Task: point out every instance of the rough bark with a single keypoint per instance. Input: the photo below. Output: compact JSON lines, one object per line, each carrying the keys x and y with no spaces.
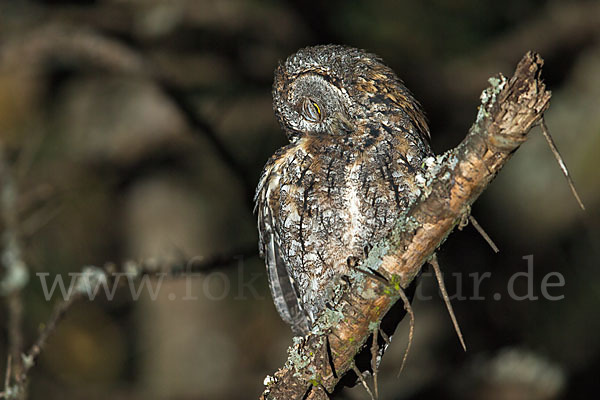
{"x":509,"y":109}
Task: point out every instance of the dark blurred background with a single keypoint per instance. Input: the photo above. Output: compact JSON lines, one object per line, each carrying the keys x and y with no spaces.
{"x":137,"y":129}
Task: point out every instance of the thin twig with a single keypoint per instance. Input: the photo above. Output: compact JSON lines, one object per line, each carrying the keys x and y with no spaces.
{"x":362,"y":380}
{"x":60,"y":310}
{"x":438,"y":274}
{"x":39,"y":219}
{"x":411,"y":329}
{"x":409,"y":311}
{"x":7,"y":376}
{"x":385,"y":337}
{"x":137,"y":271}
{"x":374,"y":366}
{"x":483,"y":234}
{"x":203,"y":127}
{"x":16,"y":272}
{"x":560,"y":161}
{"x":15,"y":324}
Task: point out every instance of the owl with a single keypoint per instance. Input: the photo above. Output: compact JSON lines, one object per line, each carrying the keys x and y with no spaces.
{"x":357,"y":140}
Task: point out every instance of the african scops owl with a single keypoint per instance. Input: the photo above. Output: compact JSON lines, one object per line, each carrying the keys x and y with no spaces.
{"x":358,"y":138}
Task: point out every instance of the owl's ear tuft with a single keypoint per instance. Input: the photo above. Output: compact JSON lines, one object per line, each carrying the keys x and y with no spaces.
{"x":279,"y":82}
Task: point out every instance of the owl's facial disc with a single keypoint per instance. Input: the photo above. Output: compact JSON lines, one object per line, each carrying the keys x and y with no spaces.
{"x":313,"y":105}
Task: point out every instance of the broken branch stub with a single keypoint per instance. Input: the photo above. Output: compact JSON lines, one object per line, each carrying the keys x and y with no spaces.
{"x":453,"y":181}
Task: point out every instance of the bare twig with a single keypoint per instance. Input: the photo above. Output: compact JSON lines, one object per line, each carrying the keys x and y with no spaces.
{"x":15,"y":270}
{"x":362,"y":380}
{"x":110,"y":272}
{"x":385,"y":337}
{"x":39,"y":219}
{"x":411,"y":330}
{"x":7,"y":377}
{"x":560,"y":162}
{"x":31,"y":356}
{"x":440,"y":278}
{"x":374,"y":366}
{"x":483,"y":234}
{"x":8,"y":371}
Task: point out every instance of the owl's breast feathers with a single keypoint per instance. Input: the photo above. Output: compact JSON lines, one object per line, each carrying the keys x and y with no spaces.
{"x":320,"y":202}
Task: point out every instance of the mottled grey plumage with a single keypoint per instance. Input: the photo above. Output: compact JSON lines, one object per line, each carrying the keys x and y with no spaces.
{"x":357,"y":140}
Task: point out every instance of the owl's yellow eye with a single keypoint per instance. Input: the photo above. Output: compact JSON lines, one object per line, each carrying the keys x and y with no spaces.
{"x":311,"y":111}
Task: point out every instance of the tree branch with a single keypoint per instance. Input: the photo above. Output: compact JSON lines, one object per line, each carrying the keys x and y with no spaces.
{"x":85,"y":46}
{"x":92,"y":277}
{"x":15,"y":272}
{"x":452,"y":183}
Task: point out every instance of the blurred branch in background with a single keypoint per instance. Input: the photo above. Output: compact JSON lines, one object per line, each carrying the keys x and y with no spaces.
{"x":15,"y":276}
{"x":558,"y":31}
{"x":88,"y":283}
{"x":57,"y":43}
{"x":84,"y":48}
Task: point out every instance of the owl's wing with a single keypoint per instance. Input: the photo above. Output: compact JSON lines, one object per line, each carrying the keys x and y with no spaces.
{"x":405,"y":102}
{"x":282,"y":285}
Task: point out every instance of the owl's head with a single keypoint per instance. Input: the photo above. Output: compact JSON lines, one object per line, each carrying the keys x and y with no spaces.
{"x":336,"y":90}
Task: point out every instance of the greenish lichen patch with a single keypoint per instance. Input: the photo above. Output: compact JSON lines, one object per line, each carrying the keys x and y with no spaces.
{"x":315,"y":382}
{"x":406,"y":223}
{"x":396,"y":282}
{"x":394,"y":286}
{"x":373,"y":326}
{"x":298,"y":360}
{"x":368,"y":294}
{"x":376,"y":254}
{"x":497,"y":83}
{"x":328,"y":319}
{"x":488,"y":97}
{"x":314,"y":378}
{"x":434,"y":169}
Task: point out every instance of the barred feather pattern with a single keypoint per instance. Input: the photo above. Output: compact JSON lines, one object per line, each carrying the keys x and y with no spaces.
{"x":340,"y":184}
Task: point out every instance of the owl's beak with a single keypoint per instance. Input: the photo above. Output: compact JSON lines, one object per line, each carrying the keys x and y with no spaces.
{"x":341,"y":124}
